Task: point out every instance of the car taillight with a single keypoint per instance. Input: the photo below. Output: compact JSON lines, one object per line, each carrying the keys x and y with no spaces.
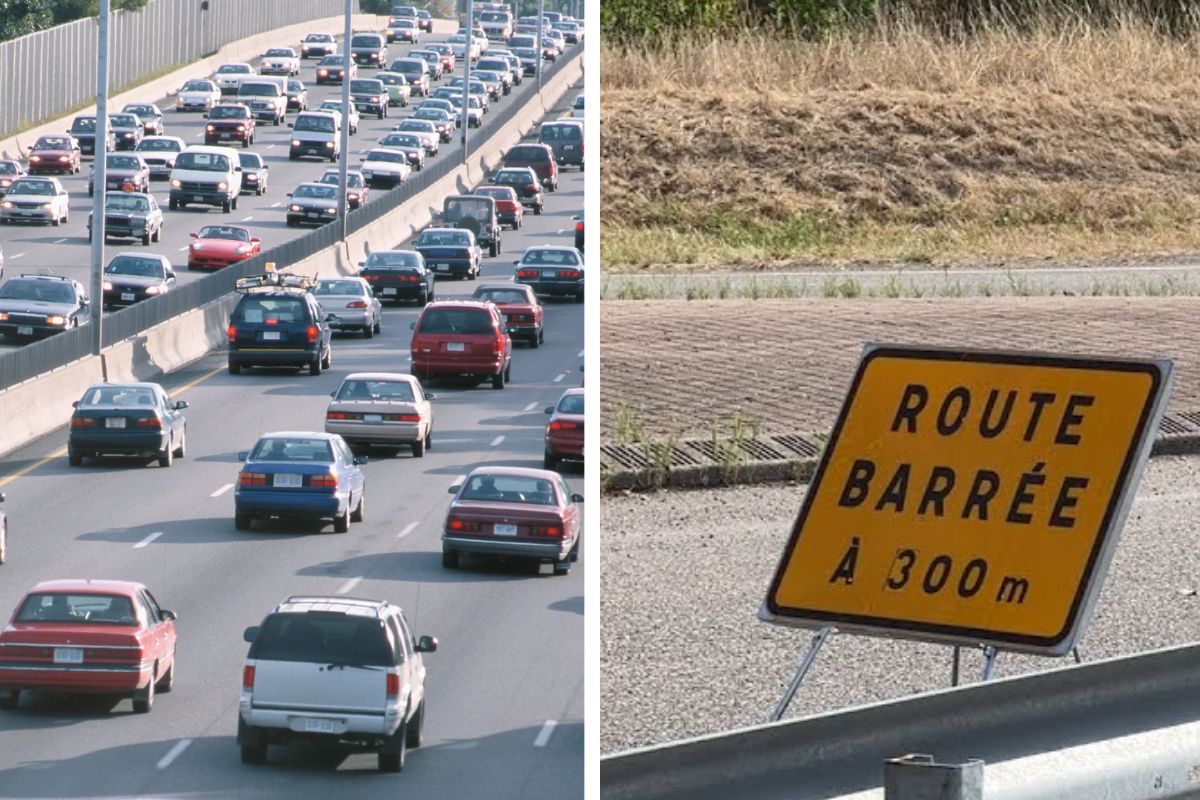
{"x":342,"y":415}
{"x":531,"y":187}
{"x":357,"y":304}
{"x":402,"y":417}
{"x":561,"y":425}
{"x":547,"y":530}
{"x":579,"y":227}
{"x":527,"y":273}
{"x":456,"y":524}
{"x":572,"y":274}
{"x":252,"y":479}
{"x":232,"y":331}
{"x":370,"y":278}
{"x":248,"y":677}
{"x":393,"y":685}
{"x":83,"y":422}
{"x":149,"y":422}
{"x":313,"y":333}
{"x":498,"y":345}
{"x":323,"y":481}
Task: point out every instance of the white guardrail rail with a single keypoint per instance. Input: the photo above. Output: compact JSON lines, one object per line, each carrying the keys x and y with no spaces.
{"x":1120,"y":729}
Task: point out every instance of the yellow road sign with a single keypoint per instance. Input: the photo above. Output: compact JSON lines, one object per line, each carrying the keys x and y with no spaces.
{"x":970,"y":497}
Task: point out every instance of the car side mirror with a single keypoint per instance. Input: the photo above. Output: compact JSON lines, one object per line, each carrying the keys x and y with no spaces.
{"x":289,"y":194}
{"x":576,"y":498}
{"x":237,"y":169}
{"x":180,"y":405}
{"x":427,"y":644}
{"x":168,"y":616}
{"x":204,"y":115}
{"x":431,"y":396}
{"x":361,"y":459}
{"x":289,"y":124}
{"x":454,"y":489}
{"x":412,"y":326}
{"x":242,"y":456}
{"x":549,"y":410}
{"x":516,"y":263}
{"x":250,"y":634}
{"x":331,"y":317}
{"x":333,"y":394}
{"x":75,"y":404}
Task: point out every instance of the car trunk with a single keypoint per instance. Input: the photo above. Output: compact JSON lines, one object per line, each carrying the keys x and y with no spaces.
{"x":320,"y":687}
{"x":285,"y":476}
{"x":523,"y":518}
{"x":115,"y":419}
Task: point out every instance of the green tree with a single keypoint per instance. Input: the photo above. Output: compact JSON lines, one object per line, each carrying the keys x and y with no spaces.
{"x":19,"y":17}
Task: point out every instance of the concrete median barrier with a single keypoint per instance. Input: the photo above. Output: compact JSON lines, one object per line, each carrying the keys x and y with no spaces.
{"x":35,"y":408}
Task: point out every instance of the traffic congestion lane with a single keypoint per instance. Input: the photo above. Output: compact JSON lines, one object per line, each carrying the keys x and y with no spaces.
{"x":512,"y":647}
{"x":65,"y":250}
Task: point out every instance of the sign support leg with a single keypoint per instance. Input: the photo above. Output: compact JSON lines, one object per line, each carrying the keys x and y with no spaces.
{"x":1075,"y":653}
{"x":806,"y":662}
{"x":954,"y":665}
{"x":989,"y":662}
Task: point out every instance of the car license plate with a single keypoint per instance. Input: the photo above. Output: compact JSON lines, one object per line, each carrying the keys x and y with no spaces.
{"x":389,"y":291}
{"x":372,"y":418}
{"x":290,"y":480}
{"x":455,"y":347}
{"x":68,"y":655}
{"x":318,"y":725}
{"x":114,"y":422}
{"x":442,"y":267}
{"x":270,"y":336}
{"x":504,"y":530}
{"x":312,"y":214}
{"x":568,"y":147}
{"x":197,"y":198}
{"x":127,"y":297}
{"x":24,"y":330}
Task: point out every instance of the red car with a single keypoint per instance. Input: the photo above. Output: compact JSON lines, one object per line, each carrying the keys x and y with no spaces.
{"x":521,"y":308}
{"x":509,"y":210}
{"x":54,"y":154}
{"x":219,"y":246}
{"x":462,"y":337}
{"x":513,"y":511}
{"x":564,"y":431}
{"x":88,"y":637}
{"x":230,"y":121}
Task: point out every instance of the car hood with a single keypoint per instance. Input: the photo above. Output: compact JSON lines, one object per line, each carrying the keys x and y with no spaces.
{"x":384,"y":166}
{"x":13,"y":305}
{"x":440,"y":251}
{"x":28,"y":198}
{"x":138,"y":281}
{"x":375,"y":406}
{"x":194,"y":94}
{"x":226,"y":123}
{"x":314,"y":202}
{"x":122,"y":172}
{"x":50,"y":153}
{"x":219,"y":245}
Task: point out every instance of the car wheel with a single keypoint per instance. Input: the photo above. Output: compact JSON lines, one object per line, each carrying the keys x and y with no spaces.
{"x":9,"y":700}
{"x":359,"y":513}
{"x":158,"y":234}
{"x":166,"y":457}
{"x":429,"y":438}
{"x":416,"y":726}
{"x":146,"y":238}
{"x":341,"y":523}
{"x":579,"y":297}
{"x":235,"y":368}
{"x":563,"y":567}
{"x":253,"y":743}
{"x":226,"y":206}
{"x":241,"y":521}
{"x":508,"y":372}
{"x":182,"y":449}
{"x":234,"y":202}
{"x":333,"y":158}
{"x":328,"y":362}
{"x":391,"y":757}
{"x":314,"y":366}
{"x":541,"y":335}
{"x":423,"y":299}
{"x":143,"y":699}
{"x":378,"y":326}
{"x":517,"y":224}
{"x":418,"y":448}
{"x":167,"y":682}
{"x":75,"y":458}
{"x":449,"y":558}
{"x":537,"y":210}
{"x":549,"y":461}
{"x":498,"y":380}
{"x":368,"y":331}
{"x":494,"y":248}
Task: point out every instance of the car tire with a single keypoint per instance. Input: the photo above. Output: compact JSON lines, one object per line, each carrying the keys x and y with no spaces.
{"x":146,"y":238}
{"x":562,"y":567}
{"x":508,"y":372}
{"x":541,"y":335}
{"x":494,"y":248}
{"x":253,"y":743}
{"x":328,"y":362}
{"x":416,"y":726}
{"x":167,"y":457}
{"x":10,"y":699}
{"x":143,"y":699}
{"x":537,"y":210}
{"x":235,"y":368}
{"x":391,"y":757}
{"x":241,"y":521}
{"x":157,"y":234}
{"x":498,"y":380}
{"x":449,"y":558}
{"x":549,"y":462}
{"x":171,"y":204}
{"x":358,"y":514}
{"x":368,"y":331}
{"x":3,"y":542}
{"x":234,"y":202}
{"x":378,"y":326}
{"x":579,"y":297}
{"x":314,"y":366}
{"x":423,"y":299}
{"x":226,"y":206}
{"x":167,"y":682}
{"x":341,"y":523}
{"x":418,"y":448}
{"x":75,"y":458}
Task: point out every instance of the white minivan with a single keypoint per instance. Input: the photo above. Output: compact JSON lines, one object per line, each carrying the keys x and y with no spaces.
{"x":206,"y":175}
{"x":316,"y":133}
{"x":266,"y":97}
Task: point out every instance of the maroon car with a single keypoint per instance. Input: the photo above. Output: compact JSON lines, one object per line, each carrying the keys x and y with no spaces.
{"x":564,"y":431}
{"x":521,"y":308}
{"x":539,"y":157}
{"x":51,"y":154}
{"x":230,"y":121}
{"x":462,"y":337}
{"x":513,"y":511}
{"x":509,"y":210}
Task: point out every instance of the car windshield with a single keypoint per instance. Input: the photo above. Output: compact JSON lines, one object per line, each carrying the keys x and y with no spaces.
{"x":295,"y":86}
{"x":321,"y":191}
{"x":401,"y":140}
{"x":292,"y":448}
{"x":159,"y":144}
{"x":224,"y":232}
{"x":394,"y":258}
{"x":509,"y":489}
{"x":502,"y":296}
{"x":526,"y":154}
{"x":146,"y":112}
{"x":77,"y":609}
{"x":340,"y":288}
{"x":417,"y":125}
{"x":234,"y":69}
{"x":493,"y":16}
{"x":84,"y":125}
{"x":331,"y":61}
{"x":8,"y":168}
{"x":384,"y":155}
{"x":197,"y":86}
{"x":527,"y":53}
{"x":116,"y":202}
{"x":203,"y":162}
{"x":325,"y":639}
{"x":336,"y":105}
{"x":392,"y":79}
{"x":409,"y":67}
{"x":136,"y":265}
{"x":228,"y":112}
{"x":259,"y":90}
{"x":45,"y":291}
{"x":319,"y":37}
{"x":403,"y":23}
{"x":456,"y":320}
{"x":367,"y":86}
{"x":444,"y":239}
{"x":251,"y":160}
{"x":460,"y":209}
{"x":53,"y":143}
{"x":314,"y":124}
{"x":280,"y":52}
{"x":556,"y":257}
{"x":497,"y":193}
{"x":353,"y":180}
{"x":34,"y":187}
{"x":515,"y":177}
{"x":124,"y":121}
{"x":431,"y":114}
{"x":364,"y":41}
{"x":255,"y":309}
{"x":571,"y":404}
{"x":124,"y":162}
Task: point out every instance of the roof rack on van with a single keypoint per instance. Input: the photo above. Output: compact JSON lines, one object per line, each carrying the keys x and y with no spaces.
{"x":273,"y":282}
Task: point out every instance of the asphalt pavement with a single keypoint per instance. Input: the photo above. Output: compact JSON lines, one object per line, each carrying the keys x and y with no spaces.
{"x":505,"y":688}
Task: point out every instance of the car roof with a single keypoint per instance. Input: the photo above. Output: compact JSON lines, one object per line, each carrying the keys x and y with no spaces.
{"x":303,"y":604}
{"x":481,"y":304}
{"x":87,"y":585}
{"x":516,"y":472}
{"x":329,"y":437}
{"x":577,"y":390}
{"x":505,"y":287}
{"x":550,"y":247}
{"x":381,"y":376}
{"x":123,"y":385}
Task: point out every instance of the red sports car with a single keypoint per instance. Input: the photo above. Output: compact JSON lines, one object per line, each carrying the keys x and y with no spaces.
{"x":54,"y":154}
{"x":88,"y":637}
{"x":514,"y":511}
{"x":522,"y":311}
{"x":564,"y":431}
{"x":219,"y":246}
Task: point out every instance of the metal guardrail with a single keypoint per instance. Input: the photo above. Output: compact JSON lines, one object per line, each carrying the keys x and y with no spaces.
{"x":36,"y":358}
{"x":1120,"y":729}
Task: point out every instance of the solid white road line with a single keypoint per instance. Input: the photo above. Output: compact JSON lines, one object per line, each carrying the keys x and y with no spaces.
{"x":18,"y":255}
{"x":222,"y":490}
{"x":496,"y":442}
{"x":247,"y":219}
{"x":544,"y":734}
{"x":276,"y":205}
{"x":173,"y":753}
{"x":349,"y":585}
{"x":60,"y":241}
{"x":409,"y":528}
{"x":183,"y":248}
{"x":580,"y":354}
{"x":270,"y":146}
{"x":148,"y":540}
{"x":531,"y":406}
{"x":558,"y":378}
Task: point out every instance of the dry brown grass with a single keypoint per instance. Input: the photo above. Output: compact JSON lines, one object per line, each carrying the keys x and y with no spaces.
{"x":1069,"y":142}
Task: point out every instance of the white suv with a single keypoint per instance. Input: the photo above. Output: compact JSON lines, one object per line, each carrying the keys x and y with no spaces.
{"x":337,"y":669}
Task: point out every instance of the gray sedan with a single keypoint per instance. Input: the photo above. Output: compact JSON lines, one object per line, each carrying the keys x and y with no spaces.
{"x":350,"y":305}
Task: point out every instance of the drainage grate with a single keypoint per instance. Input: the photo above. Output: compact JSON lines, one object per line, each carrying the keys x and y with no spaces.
{"x":760,"y":450}
{"x":1191,"y":416}
{"x":1171,"y":425}
{"x":623,"y":456}
{"x":800,"y":445}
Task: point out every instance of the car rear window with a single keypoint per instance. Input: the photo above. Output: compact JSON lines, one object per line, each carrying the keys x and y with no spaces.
{"x":270,"y":309}
{"x":499,"y":296}
{"x":118,"y":396}
{"x":456,"y":320}
{"x":509,"y":489}
{"x":561,"y":133}
{"x":336,"y":287}
{"x":330,"y":638}
{"x":396,"y":391}
{"x":526,"y":154}
{"x":458,"y":210}
{"x":292,"y":448}
{"x":76,"y":609}
{"x":571,"y":404}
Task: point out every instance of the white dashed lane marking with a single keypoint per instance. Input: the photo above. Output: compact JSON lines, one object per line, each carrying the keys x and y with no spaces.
{"x":173,"y":753}
{"x":531,"y":406}
{"x":409,"y":528}
{"x":349,"y":585}
{"x":148,"y":540}
{"x":222,"y":490}
{"x":544,"y":734}
{"x":496,"y":442}
{"x":558,"y":378}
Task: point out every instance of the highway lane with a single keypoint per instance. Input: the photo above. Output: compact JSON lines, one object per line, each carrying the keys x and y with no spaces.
{"x":511,"y":654}
{"x":65,"y":250}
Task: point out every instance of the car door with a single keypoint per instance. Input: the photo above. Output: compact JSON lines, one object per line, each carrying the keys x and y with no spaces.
{"x":414,"y":664}
{"x":158,"y":637}
{"x":173,"y":418}
{"x":572,"y":516}
{"x":350,"y":470}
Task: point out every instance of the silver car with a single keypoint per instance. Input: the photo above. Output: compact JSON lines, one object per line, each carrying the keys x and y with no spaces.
{"x":349,"y":305}
{"x":384,"y":408}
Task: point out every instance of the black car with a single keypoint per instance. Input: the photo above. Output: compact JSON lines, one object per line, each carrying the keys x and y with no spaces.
{"x":476,"y":214}
{"x":131,"y":277}
{"x":254,"y":173}
{"x":369,"y":49}
{"x":579,"y":232}
{"x":128,"y":130}
{"x":297,"y":95}
{"x":552,"y":270}
{"x":150,"y":115}
{"x":40,"y":305}
{"x":83,"y":128}
{"x":127,"y":419}
{"x":312,"y":203}
{"x":450,"y":251}
{"x":331,"y":69}
{"x":398,"y":275}
{"x":524,"y":182}
{"x":278,"y":323}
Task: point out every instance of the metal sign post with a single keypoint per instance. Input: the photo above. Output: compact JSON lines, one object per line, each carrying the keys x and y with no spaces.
{"x":99,"y":183}
{"x":344,"y":158}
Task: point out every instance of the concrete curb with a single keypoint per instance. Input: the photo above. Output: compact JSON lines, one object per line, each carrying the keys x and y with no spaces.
{"x":241,"y":50}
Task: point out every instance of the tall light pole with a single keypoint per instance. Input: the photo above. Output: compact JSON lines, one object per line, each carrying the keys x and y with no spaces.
{"x":466,"y":108}
{"x":100,"y":182}
{"x":540,"y":41}
{"x":344,"y":157}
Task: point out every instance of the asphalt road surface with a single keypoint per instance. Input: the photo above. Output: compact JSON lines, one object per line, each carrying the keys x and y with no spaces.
{"x":505,"y":688}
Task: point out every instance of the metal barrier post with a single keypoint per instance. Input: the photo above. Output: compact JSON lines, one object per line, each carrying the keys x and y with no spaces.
{"x":918,"y":777}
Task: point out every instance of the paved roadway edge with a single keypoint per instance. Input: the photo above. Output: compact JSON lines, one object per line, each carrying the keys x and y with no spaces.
{"x":42,"y":405}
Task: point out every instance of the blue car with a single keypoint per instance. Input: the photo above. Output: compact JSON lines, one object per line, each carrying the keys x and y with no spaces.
{"x":311,"y":476}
